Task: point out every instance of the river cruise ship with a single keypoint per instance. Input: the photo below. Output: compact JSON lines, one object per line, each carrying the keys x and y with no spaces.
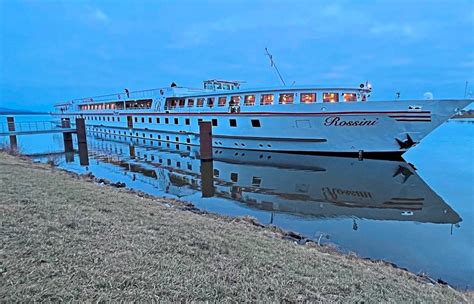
{"x":308,"y":119}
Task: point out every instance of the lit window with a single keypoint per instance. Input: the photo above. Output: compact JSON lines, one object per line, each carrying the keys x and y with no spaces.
{"x":200,"y":102}
{"x":307,"y":97}
{"x":330,"y":97}
{"x":286,"y":98}
{"x":235,"y":100}
{"x":249,"y":100}
{"x":221,"y":102}
{"x":349,"y":97}
{"x":266,"y":99}
{"x":190,"y":102}
{"x":181,"y":102}
{"x":210,"y":102}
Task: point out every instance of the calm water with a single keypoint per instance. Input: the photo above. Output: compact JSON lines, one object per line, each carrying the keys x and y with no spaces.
{"x":420,"y":219}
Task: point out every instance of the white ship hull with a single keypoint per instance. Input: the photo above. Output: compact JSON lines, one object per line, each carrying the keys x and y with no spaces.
{"x":328,"y":128}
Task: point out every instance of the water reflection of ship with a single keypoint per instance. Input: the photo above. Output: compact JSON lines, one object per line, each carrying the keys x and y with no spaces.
{"x":302,"y":185}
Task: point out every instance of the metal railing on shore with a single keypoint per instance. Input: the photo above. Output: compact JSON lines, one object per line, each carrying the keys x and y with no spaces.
{"x":29,"y":126}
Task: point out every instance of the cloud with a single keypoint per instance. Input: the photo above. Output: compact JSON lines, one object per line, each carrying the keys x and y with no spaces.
{"x":393,"y":29}
{"x":98,"y":15}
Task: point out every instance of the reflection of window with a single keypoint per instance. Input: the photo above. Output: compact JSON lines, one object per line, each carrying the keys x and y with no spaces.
{"x":222,"y":100}
{"x":286,"y":98}
{"x":249,"y":100}
{"x":349,"y":97}
{"x":307,"y":97}
{"x":216,"y":173}
{"x":190,"y":102}
{"x":330,"y":97}
{"x":256,"y":181}
{"x":210,"y":102}
{"x":266,"y":99}
{"x":200,"y":102}
{"x":234,"y":177}
{"x":235,"y":100}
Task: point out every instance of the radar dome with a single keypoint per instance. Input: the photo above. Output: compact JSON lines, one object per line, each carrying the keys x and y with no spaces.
{"x":428,"y":96}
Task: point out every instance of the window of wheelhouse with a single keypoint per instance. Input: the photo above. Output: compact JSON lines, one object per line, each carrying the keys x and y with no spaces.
{"x":200,"y":102}
{"x":235,"y":100}
{"x":330,"y":97}
{"x":307,"y":97}
{"x":348,"y":97}
{"x":286,"y":98}
{"x":190,"y":102}
{"x":181,"y":102}
{"x":221,"y":101}
{"x":210,"y":102}
{"x":249,"y":100}
{"x":266,"y":99}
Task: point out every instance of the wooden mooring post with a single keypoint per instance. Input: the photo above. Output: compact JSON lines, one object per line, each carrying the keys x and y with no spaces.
{"x":67,"y":136}
{"x":205,"y":140}
{"x":82,"y":141}
{"x":11,"y":128}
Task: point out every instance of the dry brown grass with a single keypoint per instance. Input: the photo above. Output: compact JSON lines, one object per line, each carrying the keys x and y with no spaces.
{"x":65,"y":238}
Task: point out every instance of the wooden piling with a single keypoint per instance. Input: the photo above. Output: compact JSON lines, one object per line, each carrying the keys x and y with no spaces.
{"x":205,"y":140}
{"x":11,"y":128}
{"x":82,"y":141}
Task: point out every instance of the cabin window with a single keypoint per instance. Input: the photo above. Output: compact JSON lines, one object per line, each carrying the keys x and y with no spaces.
{"x":255,"y":123}
{"x":234,"y":101}
{"x":200,"y":102}
{"x":233,"y":122}
{"x":249,"y":100}
{"x":157,"y":120}
{"x":149,"y":119}
{"x":330,"y":97}
{"x":349,"y":97}
{"x":108,"y":118}
{"x":143,"y":119}
{"x":286,"y":98}
{"x":214,"y":122}
{"x":176,"y":121}
{"x":187,"y":121}
{"x":113,"y":118}
{"x":210,"y":102}
{"x":181,"y":102}
{"x":221,"y":102}
{"x":307,"y":97}
{"x":136,"y":119}
{"x":167,"y":121}
{"x":118,"y":119}
{"x":266,"y":99}
{"x":190,"y":102}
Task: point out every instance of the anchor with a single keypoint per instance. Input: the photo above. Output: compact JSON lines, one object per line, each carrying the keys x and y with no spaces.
{"x":408,"y":143}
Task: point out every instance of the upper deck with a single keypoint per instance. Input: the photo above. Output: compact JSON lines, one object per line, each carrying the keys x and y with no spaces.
{"x":215,"y":94}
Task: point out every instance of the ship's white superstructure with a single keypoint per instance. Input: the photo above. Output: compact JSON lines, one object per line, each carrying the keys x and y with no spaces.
{"x":291,"y":119}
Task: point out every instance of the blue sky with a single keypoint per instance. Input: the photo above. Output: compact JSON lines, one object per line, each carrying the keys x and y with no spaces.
{"x":54,"y":51}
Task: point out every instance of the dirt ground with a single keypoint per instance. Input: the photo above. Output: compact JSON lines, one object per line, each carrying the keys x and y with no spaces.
{"x":68,"y":238}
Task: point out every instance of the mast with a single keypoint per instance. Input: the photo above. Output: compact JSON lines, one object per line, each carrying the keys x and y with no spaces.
{"x":272,"y":64}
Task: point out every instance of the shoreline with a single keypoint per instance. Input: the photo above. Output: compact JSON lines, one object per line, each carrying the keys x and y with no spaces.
{"x":221,"y":255}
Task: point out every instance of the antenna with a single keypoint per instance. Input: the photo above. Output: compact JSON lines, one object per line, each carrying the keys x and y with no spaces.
{"x":272,"y":64}
{"x":465,"y":89}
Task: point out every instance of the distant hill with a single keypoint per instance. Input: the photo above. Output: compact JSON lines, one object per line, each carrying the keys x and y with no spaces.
{"x":6,"y":111}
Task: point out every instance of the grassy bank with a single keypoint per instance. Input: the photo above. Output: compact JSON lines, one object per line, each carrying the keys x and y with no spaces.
{"x":68,"y":238}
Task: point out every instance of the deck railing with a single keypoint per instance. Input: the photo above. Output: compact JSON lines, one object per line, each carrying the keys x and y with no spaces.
{"x":121,"y":96}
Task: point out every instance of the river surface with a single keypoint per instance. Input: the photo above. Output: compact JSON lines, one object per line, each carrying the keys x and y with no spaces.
{"x":416,"y":213}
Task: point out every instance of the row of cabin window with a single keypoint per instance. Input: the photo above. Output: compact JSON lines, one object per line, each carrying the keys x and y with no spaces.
{"x":103,"y":118}
{"x":232,"y":122}
{"x":265,"y":99}
{"x":119,"y":105}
